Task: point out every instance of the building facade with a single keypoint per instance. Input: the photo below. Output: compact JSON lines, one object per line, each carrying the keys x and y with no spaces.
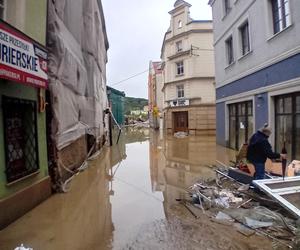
{"x":155,"y":94}
{"x":257,"y":52}
{"x":188,"y":73}
{"x":116,"y":101}
{"x":77,"y":97}
{"x":24,"y":178}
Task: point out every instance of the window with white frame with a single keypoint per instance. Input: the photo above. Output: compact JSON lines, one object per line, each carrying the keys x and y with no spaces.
{"x":180,"y":91}
{"x":229,"y":50}
{"x":227,"y":6}
{"x":245,"y":38}
{"x":179,"y":68}
{"x":240,"y":123}
{"x":2,"y":9}
{"x":179,"y":46}
{"x":281,"y":15}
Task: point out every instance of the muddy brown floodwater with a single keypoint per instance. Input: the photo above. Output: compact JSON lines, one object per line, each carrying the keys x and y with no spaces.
{"x":126,"y":199}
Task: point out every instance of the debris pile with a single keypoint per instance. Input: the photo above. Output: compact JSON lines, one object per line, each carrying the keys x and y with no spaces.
{"x":23,"y":248}
{"x":231,"y":203}
{"x":180,"y":134}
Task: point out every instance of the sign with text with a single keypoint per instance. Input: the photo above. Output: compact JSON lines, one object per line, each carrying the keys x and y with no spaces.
{"x":21,"y":58}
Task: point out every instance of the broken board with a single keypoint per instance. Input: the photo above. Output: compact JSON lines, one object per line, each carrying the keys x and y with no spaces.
{"x":286,"y":192}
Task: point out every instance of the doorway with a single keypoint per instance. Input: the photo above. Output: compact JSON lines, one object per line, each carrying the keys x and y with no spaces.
{"x":180,"y":121}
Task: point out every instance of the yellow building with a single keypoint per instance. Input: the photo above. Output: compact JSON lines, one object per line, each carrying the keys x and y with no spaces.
{"x":188,"y":73}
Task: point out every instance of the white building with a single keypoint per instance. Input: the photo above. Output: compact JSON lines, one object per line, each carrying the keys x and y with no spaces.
{"x":257,"y":51}
{"x":188,"y":73}
{"x":78,"y":45}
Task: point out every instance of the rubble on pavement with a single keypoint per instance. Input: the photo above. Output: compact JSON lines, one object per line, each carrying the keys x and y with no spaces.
{"x":180,"y":134}
{"x":231,"y":203}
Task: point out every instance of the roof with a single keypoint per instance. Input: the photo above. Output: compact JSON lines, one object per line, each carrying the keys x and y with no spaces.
{"x":211,"y":2}
{"x":200,"y":21}
{"x":157,"y":67}
{"x":180,"y":2}
{"x":115,"y":91}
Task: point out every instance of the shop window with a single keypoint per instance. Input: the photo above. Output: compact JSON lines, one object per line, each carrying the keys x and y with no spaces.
{"x":287,"y":124}
{"x":240,"y":123}
{"x":20,"y":133}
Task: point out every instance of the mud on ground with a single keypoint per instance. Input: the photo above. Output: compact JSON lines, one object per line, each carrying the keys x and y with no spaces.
{"x":181,"y":231}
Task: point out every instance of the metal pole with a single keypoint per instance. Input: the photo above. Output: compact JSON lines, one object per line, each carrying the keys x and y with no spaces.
{"x":110,"y":129}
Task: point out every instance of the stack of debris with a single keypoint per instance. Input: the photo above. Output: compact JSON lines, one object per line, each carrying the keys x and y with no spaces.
{"x":229,"y":202}
{"x":180,"y":134}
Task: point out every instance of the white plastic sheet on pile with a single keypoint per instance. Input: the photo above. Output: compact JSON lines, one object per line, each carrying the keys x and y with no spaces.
{"x":23,"y":248}
{"x":77,"y":69}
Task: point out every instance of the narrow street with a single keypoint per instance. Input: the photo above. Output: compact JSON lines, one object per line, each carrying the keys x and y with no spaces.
{"x":126,"y":199}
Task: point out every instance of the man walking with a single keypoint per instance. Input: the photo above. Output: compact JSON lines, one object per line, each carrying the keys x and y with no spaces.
{"x":259,"y":149}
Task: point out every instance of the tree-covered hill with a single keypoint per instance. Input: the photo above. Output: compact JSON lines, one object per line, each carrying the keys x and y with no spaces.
{"x":132,"y":103}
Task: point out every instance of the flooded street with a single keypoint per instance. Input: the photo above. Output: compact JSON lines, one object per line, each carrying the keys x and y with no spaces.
{"x":126,"y":199}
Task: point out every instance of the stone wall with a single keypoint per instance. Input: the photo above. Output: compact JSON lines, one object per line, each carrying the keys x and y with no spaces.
{"x":202,"y":119}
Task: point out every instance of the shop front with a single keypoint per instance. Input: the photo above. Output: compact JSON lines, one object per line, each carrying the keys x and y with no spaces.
{"x":24,"y":179}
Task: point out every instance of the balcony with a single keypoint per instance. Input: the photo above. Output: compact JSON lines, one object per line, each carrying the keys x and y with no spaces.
{"x":179,"y":54}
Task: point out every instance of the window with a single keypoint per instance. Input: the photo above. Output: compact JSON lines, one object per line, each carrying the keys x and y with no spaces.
{"x":281,"y":15}
{"x":180,"y":91}
{"x":287,"y":124}
{"x":229,"y":50}
{"x":179,"y":68}
{"x":227,"y":7}
{"x":2,"y":9}
{"x":245,"y":40}
{"x":20,"y":134}
{"x":178,"y":46}
{"x":179,"y":24}
{"x":240,"y":123}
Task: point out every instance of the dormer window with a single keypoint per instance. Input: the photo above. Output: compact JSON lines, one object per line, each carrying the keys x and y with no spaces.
{"x":179,"y":24}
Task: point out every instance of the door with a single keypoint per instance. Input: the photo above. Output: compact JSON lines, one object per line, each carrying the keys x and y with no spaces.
{"x":180,"y":121}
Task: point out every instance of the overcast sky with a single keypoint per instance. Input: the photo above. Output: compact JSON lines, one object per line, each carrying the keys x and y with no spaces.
{"x":135,"y":30}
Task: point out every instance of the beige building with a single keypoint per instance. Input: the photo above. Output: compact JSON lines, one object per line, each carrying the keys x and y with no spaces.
{"x":155,"y":94}
{"x":188,"y":73}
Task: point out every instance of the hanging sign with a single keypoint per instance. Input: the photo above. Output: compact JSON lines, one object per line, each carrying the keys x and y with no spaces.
{"x":22,"y":59}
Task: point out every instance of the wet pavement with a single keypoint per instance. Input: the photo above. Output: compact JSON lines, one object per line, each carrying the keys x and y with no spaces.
{"x":126,"y":199}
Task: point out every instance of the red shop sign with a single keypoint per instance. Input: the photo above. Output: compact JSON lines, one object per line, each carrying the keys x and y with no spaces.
{"x":21,"y":58}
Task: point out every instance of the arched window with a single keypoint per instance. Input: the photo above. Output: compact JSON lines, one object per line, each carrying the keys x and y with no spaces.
{"x":179,"y":24}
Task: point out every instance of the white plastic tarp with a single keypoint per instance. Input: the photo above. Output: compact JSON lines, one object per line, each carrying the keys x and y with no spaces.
{"x":77,"y":68}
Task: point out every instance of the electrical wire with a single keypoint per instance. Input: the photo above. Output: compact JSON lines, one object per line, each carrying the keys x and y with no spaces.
{"x":133,"y":76}
{"x":147,"y":70}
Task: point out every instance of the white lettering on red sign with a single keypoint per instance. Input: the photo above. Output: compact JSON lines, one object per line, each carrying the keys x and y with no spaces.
{"x":22,"y":59}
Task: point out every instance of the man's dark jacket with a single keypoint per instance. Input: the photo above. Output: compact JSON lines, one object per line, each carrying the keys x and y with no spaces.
{"x":259,"y":149}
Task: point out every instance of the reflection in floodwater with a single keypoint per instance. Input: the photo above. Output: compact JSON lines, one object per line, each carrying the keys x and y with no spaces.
{"x":176,"y":164}
{"x":80,"y":219}
{"x":127,"y":200}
